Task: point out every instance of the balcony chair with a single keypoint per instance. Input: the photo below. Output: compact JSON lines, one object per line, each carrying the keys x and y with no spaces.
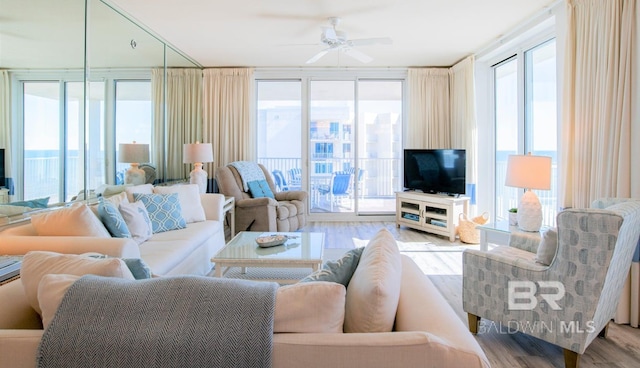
{"x":339,"y":187}
{"x":594,"y":252}
{"x":295,"y":178}
{"x":279,"y":181}
{"x":358,"y":180}
{"x":287,"y":212}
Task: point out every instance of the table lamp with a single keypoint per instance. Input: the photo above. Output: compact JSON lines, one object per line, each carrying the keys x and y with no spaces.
{"x":529,"y":172}
{"x":197,"y":153}
{"x":134,"y":153}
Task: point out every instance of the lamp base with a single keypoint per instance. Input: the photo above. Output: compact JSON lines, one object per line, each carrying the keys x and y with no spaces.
{"x":529,"y":212}
{"x":135,"y":175}
{"x":199,"y":176}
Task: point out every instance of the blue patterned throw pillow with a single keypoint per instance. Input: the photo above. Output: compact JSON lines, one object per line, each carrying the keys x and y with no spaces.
{"x":259,"y":189}
{"x":164,"y":210}
{"x":112,"y":219}
{"x":340,"y":270}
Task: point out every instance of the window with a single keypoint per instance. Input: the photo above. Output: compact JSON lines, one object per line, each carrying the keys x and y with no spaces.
{"x":530,"y":126}
{"x":349,"y":124}
{"x":53,"y":132}
{"x":133,"y":118}
{"x":52,"y":163}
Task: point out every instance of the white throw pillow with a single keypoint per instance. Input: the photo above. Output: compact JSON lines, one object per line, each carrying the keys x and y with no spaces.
{"x":51,"y":290}
{"x":142,"y":189}
{"x":316,"y":306}
{"x":118,"y":198}
{"x":136,"y":217}
{"x":548,"y":247}
{"x":76,"y":220}
{"x":36,"y":264}
{"x":189,"y":197}
{"x":374,"y":289}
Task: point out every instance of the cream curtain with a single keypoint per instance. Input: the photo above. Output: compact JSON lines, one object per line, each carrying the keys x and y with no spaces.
{"x":597,"y":108}
{"x":429,"y":118}
{"x":463,"y":117}
{"x":5,"y":124}
{"x":184,"y":119}
{"x":228,"y":97}
{"x":156,"y":149}
{"x":597,"y":101}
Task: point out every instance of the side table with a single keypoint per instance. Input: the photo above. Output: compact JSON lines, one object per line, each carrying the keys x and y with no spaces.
{"x":499,"y":232}
{"x":229,"y":210}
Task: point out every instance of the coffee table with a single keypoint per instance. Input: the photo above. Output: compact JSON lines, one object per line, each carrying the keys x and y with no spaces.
{"x":302,"y":250}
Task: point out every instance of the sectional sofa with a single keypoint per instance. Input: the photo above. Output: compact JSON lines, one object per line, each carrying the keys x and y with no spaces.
{"x":176,"y":252}
{"x":388,"y":314}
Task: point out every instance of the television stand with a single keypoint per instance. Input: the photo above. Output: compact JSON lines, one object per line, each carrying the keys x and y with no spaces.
{"x":432,"y":213}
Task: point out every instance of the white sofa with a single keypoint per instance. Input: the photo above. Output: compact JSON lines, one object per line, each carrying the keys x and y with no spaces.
{"x":426,"y":333}
{"x":175,"y":252}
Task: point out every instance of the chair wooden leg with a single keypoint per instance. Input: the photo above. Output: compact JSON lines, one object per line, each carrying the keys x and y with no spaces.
{"x":473,"y":323}
{"x":605,"y":331}
{"x":571,"y":359}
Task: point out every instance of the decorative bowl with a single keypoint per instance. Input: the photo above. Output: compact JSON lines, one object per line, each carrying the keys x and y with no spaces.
{"x":271,"y":240}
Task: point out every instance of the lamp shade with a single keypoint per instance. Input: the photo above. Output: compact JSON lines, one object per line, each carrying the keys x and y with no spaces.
{"x":133,"y":152}
{"x":530,"y":172}
{"x":197,"y":152}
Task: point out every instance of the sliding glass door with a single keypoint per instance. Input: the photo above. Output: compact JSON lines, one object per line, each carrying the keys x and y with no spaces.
{"x":526,"y":121}
{"x":52,"y":140}
{"x":331,"y":143}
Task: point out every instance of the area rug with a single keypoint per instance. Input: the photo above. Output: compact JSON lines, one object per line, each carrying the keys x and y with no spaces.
{"x":423,"y":246}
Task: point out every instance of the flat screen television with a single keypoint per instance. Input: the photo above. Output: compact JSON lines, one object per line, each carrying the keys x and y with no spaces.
{"x":439,"y":171}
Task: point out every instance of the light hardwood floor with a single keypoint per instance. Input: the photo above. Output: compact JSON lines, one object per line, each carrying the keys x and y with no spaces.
{"x":443,"y":265}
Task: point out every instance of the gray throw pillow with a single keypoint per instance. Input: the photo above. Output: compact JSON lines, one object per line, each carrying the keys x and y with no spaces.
{"x":340,"y":270}
{"x":548,"y":247}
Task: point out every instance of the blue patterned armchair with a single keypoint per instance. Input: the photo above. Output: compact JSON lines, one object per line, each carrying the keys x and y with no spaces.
{"x":568,"y":302}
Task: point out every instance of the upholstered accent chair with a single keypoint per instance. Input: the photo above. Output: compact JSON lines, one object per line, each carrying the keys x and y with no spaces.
{"x":286,"y":212}
{"x":594,"y":252}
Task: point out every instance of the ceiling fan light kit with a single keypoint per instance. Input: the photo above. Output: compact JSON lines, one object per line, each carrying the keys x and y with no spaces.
{"x":337,"y":40}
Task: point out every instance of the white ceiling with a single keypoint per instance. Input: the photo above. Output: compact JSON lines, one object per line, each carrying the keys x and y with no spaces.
{"x":286,"y":33}
{"x":256,"y":33}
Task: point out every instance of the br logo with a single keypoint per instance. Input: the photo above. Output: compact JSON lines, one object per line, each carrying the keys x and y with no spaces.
{"x":522,"y":294}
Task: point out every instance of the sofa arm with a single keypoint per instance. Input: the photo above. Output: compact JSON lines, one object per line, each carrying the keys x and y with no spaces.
{"x":371,"y":350}
{"x":18,"y":348}
{"x":114,"y":247}
{"x":212,"y":204}
{"x":293,"y":195}
{"x":256,"y":202}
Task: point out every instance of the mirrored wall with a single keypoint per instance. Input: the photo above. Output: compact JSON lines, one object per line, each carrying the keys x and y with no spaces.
{"x":78,"y":87}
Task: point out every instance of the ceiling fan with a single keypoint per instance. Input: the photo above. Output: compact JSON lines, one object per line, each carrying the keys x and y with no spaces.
{"x":336,"y":40}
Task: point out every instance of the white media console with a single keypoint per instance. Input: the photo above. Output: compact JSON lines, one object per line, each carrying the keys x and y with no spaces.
{"x":433,"y":213}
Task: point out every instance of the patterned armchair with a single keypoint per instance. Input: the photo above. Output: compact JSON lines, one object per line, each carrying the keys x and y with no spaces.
{"x":595,"y":248}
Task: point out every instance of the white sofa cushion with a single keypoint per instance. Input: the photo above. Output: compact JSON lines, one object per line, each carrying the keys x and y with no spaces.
{"x":166,"y":250}
{"x":374,"y":289}
{"x":142,"y":189}
{"x":36,"y":264}
{"x":51,"y":290}
{"x":316,"y":306}
{"x":136,"y":217}
{"x":189,"y":196}
{"x":76,"y":220}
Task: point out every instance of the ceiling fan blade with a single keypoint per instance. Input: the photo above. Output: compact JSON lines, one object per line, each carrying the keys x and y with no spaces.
{"x":317,"y":56}
{"x":371,"y":41}
{"x":358,"y":55}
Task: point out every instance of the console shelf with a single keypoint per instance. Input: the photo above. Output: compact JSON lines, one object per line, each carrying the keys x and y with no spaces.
{"x":433,"y":213}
